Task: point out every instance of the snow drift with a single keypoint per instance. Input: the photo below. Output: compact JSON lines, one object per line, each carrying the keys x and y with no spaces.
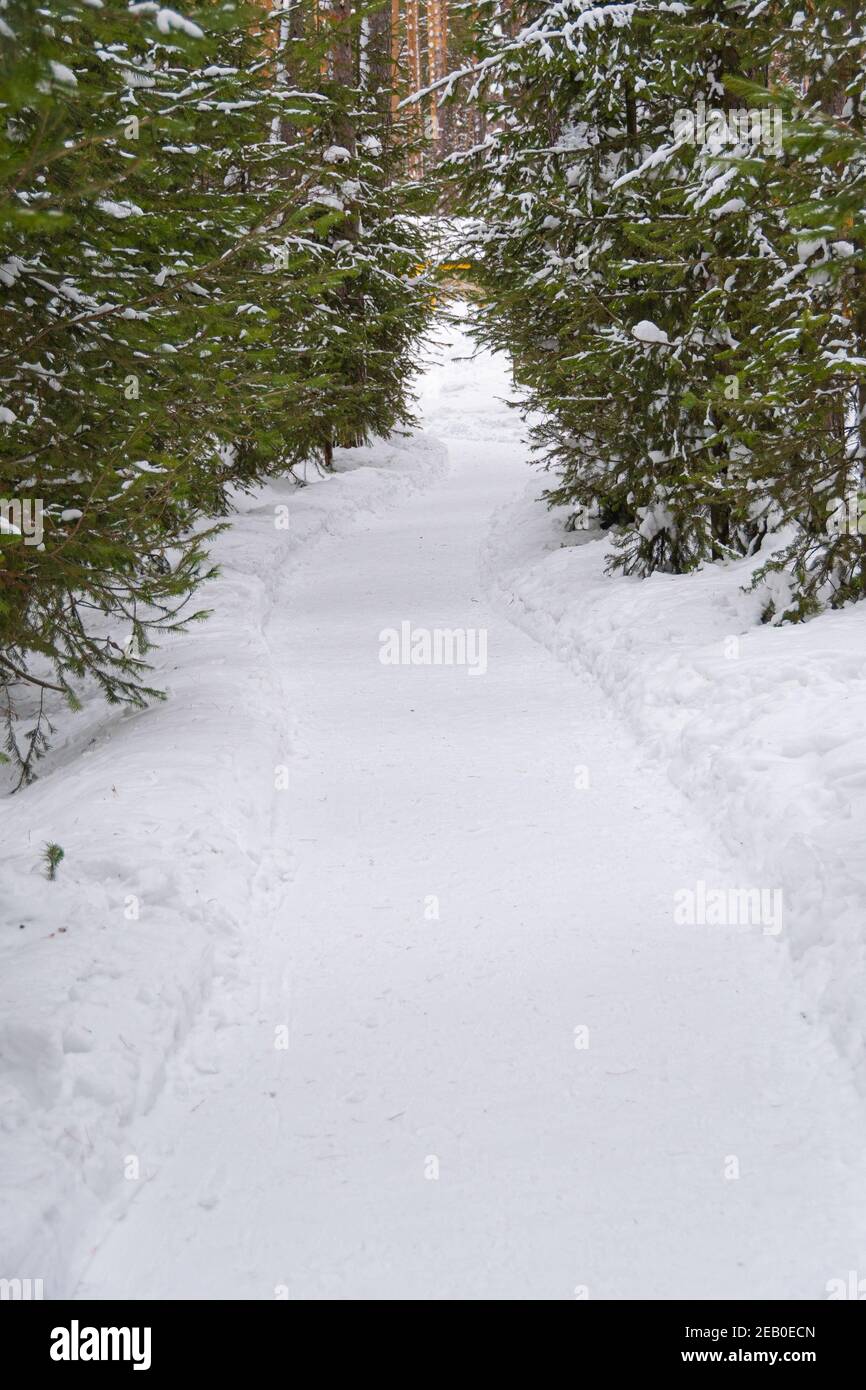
{"x":763,"y":727}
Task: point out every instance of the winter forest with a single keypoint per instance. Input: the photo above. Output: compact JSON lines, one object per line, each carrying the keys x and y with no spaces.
{"x":432,"y":664}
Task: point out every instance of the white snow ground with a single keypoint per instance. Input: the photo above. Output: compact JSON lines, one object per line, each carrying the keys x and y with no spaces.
{"x":765,"y":728}
{"x":436,"y":1126}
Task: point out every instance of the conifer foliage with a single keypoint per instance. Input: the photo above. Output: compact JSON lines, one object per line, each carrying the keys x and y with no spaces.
{"x":671,"y":244}
{"x":208,"y":272}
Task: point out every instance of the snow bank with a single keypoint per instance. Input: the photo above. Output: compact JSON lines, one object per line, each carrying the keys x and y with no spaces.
{"x":765,"y":728}
{"x":164,"y":816}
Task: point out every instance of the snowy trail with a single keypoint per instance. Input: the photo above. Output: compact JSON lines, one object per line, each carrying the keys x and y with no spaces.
{"x":309,"y":1171}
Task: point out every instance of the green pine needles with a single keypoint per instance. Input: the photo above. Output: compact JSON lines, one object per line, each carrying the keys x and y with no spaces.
{"x":52,"y":856}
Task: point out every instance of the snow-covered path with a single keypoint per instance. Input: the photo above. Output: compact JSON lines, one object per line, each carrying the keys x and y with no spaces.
{"x":435,"y":1127}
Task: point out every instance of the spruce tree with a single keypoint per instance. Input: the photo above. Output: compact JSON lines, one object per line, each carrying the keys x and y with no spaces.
{"x":129,"y":263}
{"x":357,"y":352}
{"x":805,"y":346}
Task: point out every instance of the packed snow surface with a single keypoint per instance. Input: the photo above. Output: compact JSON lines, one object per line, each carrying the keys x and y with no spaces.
{"x":363,"y":979}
